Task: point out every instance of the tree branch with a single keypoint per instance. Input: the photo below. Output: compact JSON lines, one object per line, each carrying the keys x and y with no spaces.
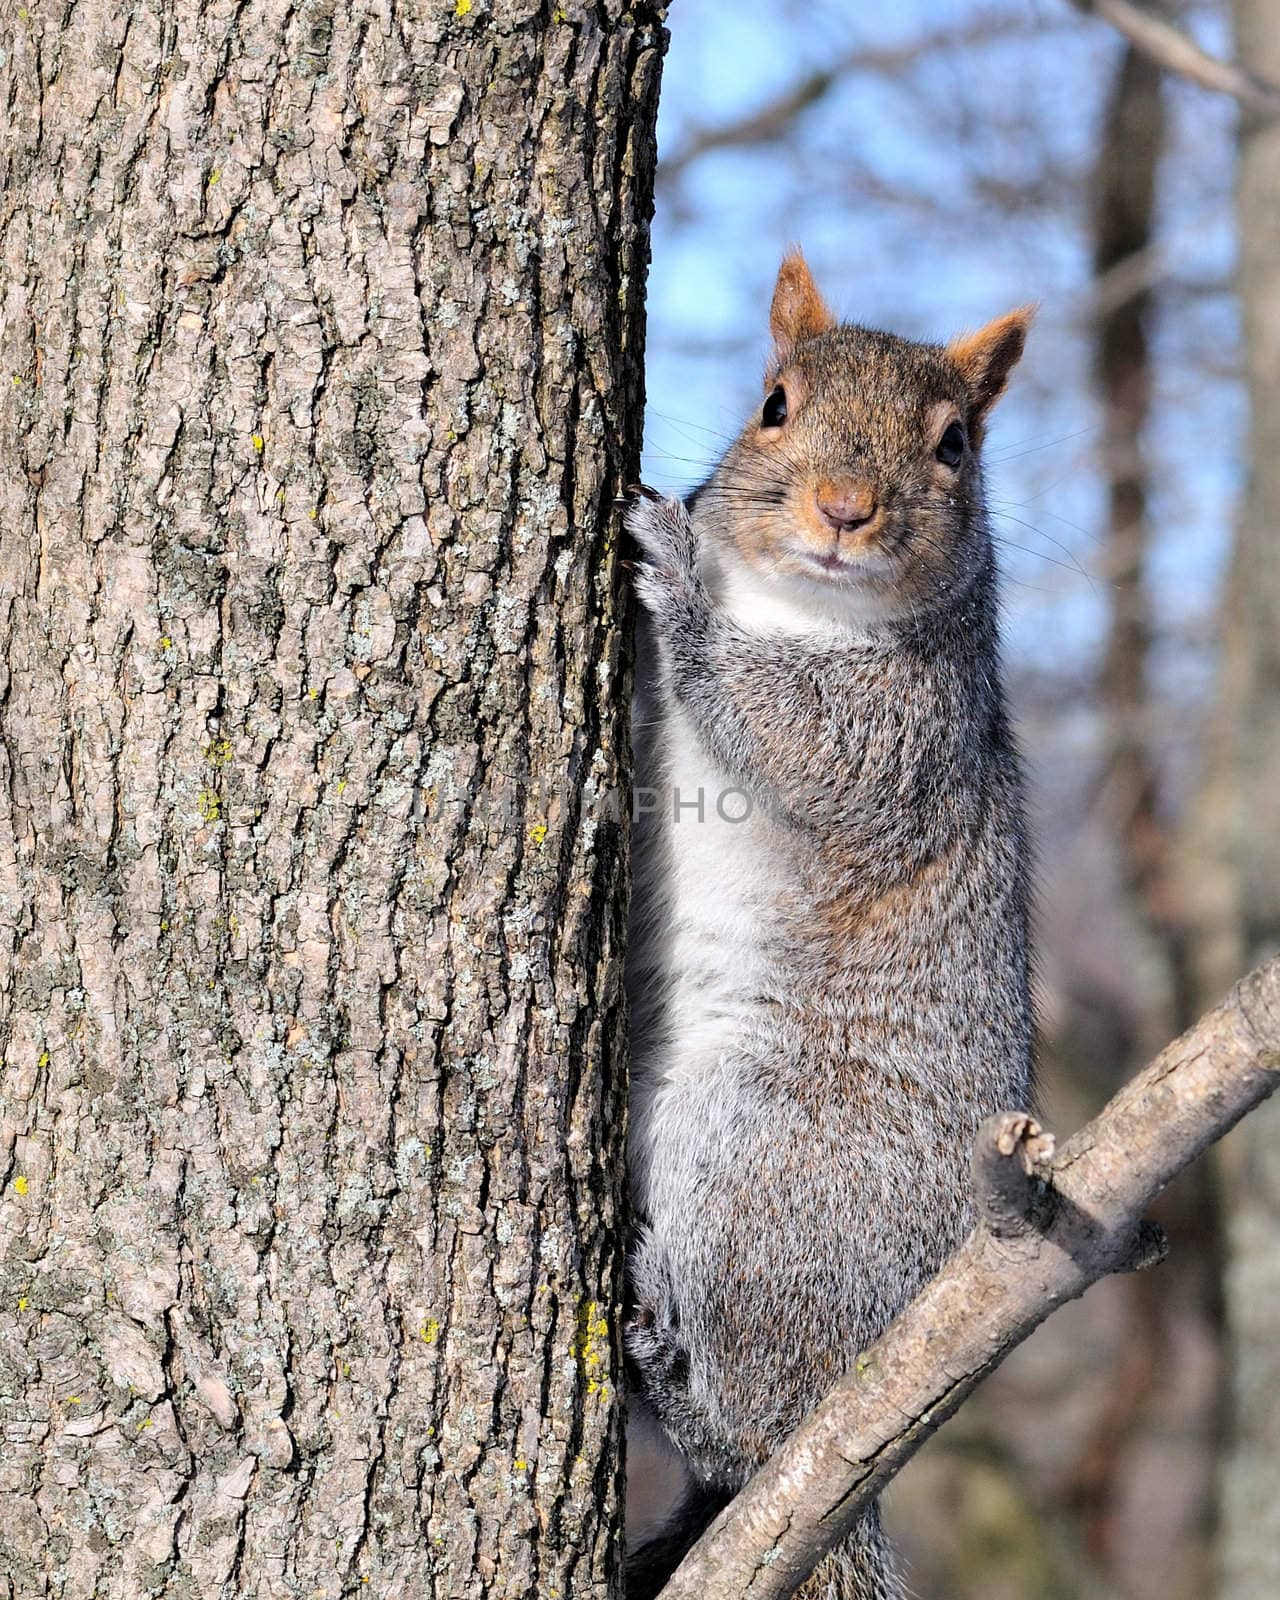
{"x":770,"y":120}
{"x":1173,"y":50}
{"x":1051,"y":1225}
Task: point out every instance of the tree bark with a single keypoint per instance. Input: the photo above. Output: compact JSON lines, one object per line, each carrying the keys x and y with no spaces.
{"x":1249,"y":1544}
{"x":321,"y":353}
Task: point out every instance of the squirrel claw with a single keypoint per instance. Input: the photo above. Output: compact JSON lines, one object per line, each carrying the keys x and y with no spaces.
{"x":664,"y":534}
{"x":644,"y":490}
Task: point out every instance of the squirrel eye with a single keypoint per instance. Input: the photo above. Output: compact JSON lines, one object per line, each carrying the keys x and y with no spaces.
{"x":951,"y":446}
{"x":775,"y":409}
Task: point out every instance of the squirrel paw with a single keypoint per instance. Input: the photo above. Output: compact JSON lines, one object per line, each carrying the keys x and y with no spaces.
{"x":665,"y":535}
{"x":656,"y":1360}
{"x":651,"y":1320}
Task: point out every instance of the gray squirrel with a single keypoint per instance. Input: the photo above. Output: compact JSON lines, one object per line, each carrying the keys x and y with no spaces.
{"x":828,"y":962}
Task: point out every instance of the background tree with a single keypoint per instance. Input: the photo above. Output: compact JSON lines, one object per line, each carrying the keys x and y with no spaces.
{"x":321,"y":341}
{"x":1249,"y":1540}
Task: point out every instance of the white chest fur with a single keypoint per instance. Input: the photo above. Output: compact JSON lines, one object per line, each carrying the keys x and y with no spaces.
{"x":774,"y":603}
{"x":711,"y":869}
{"x":722,"y":854}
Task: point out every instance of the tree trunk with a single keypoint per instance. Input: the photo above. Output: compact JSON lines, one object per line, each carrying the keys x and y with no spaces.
{"x":321,"y":342}
{"x":1151,"y":1545}
{"x":1250,"y":1526}
{"x":1124,"y":199}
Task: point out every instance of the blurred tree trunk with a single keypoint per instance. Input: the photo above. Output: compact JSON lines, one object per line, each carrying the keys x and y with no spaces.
{"x":1244,"y":796}
{"x":1124,"y":199}
{"x":321,"y":346}
{"x":1152,"y":1545}
{"x":1151,"y":1523}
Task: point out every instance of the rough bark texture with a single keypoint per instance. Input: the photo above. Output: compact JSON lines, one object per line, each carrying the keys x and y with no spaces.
{"x":1051,"y":1226}
{"x":1250,"y":1523}
{"x":321,"y":344}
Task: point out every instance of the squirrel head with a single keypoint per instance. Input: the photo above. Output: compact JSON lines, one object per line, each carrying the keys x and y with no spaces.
{"x":860,"y":474}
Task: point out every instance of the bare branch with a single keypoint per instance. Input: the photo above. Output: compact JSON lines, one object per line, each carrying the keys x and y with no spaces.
{"x":1173,"y":50}
{"x":1043,"y":1240}
{"x":771,"y":120}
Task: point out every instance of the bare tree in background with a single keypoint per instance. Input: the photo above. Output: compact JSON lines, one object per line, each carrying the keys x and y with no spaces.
{"x":1249,"y":1543}
{"x":321,"y":350}
{"x":1130,"y":146}
{"x":1154,"y":1545}
{"x":1123,"y":212}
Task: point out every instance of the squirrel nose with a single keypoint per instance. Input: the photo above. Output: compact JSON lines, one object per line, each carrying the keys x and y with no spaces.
{"x":845,"y":503}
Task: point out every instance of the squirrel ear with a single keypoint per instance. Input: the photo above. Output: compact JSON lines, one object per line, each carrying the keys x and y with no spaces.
{"x":987,"y":357}
{"x":798,"y":310}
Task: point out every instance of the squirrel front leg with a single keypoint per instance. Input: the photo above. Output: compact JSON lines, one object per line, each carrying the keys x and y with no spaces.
{"x":763,"y":713}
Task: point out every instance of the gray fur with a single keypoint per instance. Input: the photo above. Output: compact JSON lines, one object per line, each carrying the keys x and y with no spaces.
{"x":809,"y":1071}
